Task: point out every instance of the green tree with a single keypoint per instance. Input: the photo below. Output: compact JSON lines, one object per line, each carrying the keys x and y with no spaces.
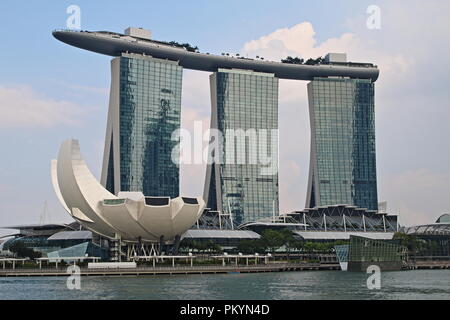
{"x":309,"y":247}
{"x":414,"y":244}
{"x":298,"y":245}
{"x":211,"y":246}
{"x":272,"y":239}
{"x":291,"y":60}
{"x":288,"y":240}
{"x":247,"y":246}
{"x":22,"y":251}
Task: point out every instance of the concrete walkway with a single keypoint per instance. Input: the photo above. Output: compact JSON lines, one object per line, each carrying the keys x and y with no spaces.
{"x":275,"y":267}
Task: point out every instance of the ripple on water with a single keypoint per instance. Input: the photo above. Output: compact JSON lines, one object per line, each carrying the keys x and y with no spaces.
{"x":416,"y":284}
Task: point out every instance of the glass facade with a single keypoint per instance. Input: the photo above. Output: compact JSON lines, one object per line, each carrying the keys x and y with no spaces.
{"x":244,"y":100}
{"x":37,"y":243}
{"x":343,"y":164}
{"x":368,"y":250}
{"x":342,"y":252}
{"x":60,"y":247}
{"x":362,"y":253}
{"x":149,"y":112}
{"x":80,"y":250}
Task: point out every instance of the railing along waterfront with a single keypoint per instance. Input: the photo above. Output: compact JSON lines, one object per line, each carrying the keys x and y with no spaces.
{"x":273,"y":267}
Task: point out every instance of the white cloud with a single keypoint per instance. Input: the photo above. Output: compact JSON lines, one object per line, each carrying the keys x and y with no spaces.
{"x":298,"y":40}
{"x":21,"y":106}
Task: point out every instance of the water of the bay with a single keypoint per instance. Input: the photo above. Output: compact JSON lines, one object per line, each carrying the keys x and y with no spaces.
{"x":417,"y":284}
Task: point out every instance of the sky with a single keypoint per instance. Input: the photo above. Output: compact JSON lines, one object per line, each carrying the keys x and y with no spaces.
{"x":50,"y":91}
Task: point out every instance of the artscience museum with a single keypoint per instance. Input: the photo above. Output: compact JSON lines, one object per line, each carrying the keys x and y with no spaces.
{"x":130,"y":216}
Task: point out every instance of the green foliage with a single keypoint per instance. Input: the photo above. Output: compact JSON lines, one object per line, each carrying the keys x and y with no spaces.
{"x":311,"y":61}
{"x":187,"y":46}
{"x":213,"y":247}
{"x":251,"y":246}
{"x":291,"y":60}
{"x":320,"y":247}
{"x":22,"y":251}
{"x":298,"y":245}
{"x":298,"y":60}
{"x":200,"y":246}
{"x":340,"y":242}
{"x":417,"y":246}
{"x":272,"y":239}
{"x":414,"y":244}
{"x":309,"y":247}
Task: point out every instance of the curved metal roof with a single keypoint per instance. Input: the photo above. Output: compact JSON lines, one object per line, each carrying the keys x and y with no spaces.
{"x":435,"y":229}
{"x":214,"y":234}
{"x":131,"y":220}
{"x":445,"y":218}
{"x":114,"y":44}
{"x":338,"y":235}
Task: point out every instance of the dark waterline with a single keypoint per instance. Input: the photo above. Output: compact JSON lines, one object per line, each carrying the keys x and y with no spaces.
{"x":416,"y":284}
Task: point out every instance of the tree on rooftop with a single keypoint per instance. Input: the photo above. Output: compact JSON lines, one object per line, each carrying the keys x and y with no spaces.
{"x":292,"y":60}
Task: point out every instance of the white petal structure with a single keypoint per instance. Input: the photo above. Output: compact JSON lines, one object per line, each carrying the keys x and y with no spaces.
{"x":130,"y":216}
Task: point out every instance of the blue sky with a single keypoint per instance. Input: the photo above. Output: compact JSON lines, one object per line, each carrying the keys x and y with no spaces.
{"x":213,"y":25}
{"x":67,"y":88}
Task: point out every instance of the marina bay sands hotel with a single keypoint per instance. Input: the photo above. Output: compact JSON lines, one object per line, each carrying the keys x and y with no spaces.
{"x":145,"y":109}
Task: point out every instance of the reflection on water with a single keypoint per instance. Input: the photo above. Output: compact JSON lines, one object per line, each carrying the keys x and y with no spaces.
{"x":417,"y":284}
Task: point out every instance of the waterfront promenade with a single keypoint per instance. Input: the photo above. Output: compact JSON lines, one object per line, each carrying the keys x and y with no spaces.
{"x":169,"y":270}
{"x":209,"y":269}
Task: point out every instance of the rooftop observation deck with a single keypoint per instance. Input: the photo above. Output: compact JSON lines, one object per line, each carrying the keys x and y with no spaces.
{"x":114,"y":44}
